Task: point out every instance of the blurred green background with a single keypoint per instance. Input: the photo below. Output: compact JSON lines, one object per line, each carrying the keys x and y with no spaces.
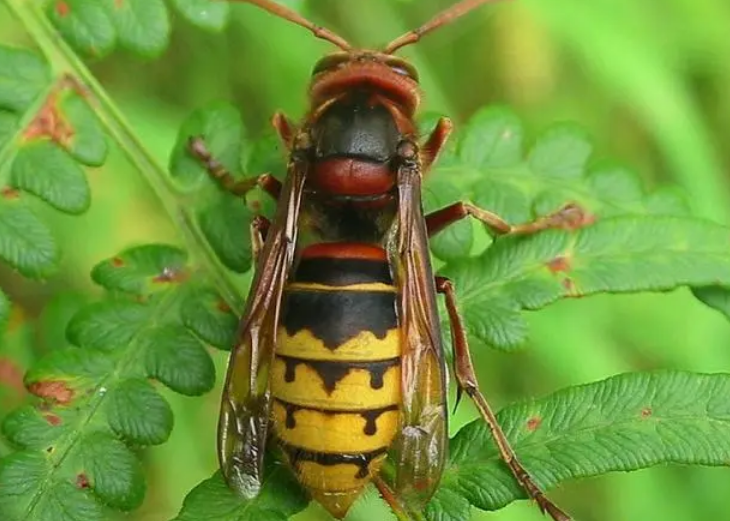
{"x":650,"y":81}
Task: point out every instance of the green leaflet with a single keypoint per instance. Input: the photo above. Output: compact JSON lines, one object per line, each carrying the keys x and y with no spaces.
{"x":96,"y":394}
{"x":95,"y":28}
{"x":207,"y":15}
{"x":43,"y":157}
{"x":716,"y":297}
{"x":226,"y":226}
{"x":210,"y":317}
{"x":212,"y":500}
{"x":44,"y":169}
{"x":85,"y":24}
{"x":143,"y":271}
{"x":23,"y":77}
{"x":21,"y":471}
{"x":622,"y":254}
{"x":219,"y":124}
{"x":25,"y":242}
{"x":134,"y":399}
{"x":4,"y":311}
{"x":626,"y":422}
{"x":142,"y":25}
{"x":495,"y":170}
{"x":87,"y":143}
{"x":8,"y":125}
{"x":222,"y":218}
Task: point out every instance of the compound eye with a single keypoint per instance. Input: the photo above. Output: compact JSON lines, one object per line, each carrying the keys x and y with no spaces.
{"x":330,"y":63}
{"x":403,"y":68}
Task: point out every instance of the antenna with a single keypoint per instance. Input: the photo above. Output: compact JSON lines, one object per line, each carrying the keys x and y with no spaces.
{"x":293,"y":16}
{"x":446,"y":16}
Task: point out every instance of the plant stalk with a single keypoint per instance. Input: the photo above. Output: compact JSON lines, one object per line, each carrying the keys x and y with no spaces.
{"x":66,"y":63}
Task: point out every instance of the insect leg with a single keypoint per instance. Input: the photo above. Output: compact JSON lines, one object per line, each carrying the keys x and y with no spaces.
{"x":285,"y":128}
{"x":467,"y":383}
{"x":569,"y":217}
{"x":435,"y":142}
{"x":391,"y":497}
{"x":259,"y":228}
{"x":199,"y":150}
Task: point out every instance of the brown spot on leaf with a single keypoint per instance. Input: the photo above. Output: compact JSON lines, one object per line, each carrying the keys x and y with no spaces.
{"x":573,"y":217}
{"x":11,"y":376}
{"x":62,"y":8}
{"x":171,"y":275}
{"x":53,"y":419}
{"x":558,"y":264}
{"x":50,"y":123}
{"x":534,"y":423}
{"x":69,"y":81}
{"x":53,"y":390}
{"x":82,"y":480}
{"x":646,"y":412}
{"x":571,"y":290}
{"x":8,"y":192}
{"x":223,"y":306}
{"x":117,"y":262}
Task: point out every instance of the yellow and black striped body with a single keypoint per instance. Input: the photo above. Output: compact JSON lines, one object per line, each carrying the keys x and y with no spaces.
{"x":335,"y":380}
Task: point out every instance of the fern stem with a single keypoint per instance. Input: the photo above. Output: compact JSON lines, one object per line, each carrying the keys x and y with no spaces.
{"x":65,"y":63}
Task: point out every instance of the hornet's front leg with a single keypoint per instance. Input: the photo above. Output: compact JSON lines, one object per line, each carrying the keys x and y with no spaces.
{"x":216,"y":170}
{"x":268,"y":183}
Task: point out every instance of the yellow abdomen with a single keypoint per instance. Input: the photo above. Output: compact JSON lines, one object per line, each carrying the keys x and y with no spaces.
{"x":336,"y":375}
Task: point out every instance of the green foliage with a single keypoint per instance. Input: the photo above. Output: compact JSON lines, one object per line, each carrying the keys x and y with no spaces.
{"x":97,"y":402}
{"x":620,"y":254}
{"x":623,"y":423}
{"x":49,"y":133}
{"x":204,"y":14}
{"x":95,"y":28}
{"x":4,"y":310}
{"x":494,"y":166}
{"x":213,"y":500}
{"x":222,"y":218}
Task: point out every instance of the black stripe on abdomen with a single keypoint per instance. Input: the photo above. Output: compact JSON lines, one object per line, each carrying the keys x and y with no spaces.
{"x":334,"y":317}
{"x":370,"y":416}
{"x":332,"y":371}
{"x":342,"y":271}
{"x":361,"y":459}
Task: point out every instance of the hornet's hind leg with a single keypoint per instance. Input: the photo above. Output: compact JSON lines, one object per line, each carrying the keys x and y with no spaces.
{"x":467,"y":382}
{"x":569,"y":216}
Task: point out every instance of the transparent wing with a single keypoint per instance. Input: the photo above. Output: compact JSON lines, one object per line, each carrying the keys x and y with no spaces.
{"x":244,"y":417}
{"x":422,"y":445}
